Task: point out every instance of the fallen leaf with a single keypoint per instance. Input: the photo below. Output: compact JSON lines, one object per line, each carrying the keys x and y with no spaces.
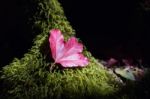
{"x":68,"y":54}
{"x":126,"y":73}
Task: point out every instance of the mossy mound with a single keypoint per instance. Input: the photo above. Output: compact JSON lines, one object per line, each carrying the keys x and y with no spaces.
{"x":29,"y":77}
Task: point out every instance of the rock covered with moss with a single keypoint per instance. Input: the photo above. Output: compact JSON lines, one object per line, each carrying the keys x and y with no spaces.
{"x":29,"y":77}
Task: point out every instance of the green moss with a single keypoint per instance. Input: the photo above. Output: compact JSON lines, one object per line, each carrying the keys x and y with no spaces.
{"x":29,"y":77}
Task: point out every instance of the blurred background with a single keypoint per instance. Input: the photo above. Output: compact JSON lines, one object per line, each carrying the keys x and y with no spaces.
{"x":108,"y":28}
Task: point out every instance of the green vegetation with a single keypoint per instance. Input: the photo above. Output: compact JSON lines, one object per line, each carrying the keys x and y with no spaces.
{"x":29,"y":77}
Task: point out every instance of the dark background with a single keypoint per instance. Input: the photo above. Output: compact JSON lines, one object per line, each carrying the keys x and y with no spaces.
{"x":109,"y":28}
{"x":15,"y":32}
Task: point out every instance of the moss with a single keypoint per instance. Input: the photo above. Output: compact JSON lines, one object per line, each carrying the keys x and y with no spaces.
{"x":29,"y":76}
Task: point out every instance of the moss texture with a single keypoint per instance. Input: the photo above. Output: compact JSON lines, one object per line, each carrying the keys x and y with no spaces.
{"x":29,"y":77}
